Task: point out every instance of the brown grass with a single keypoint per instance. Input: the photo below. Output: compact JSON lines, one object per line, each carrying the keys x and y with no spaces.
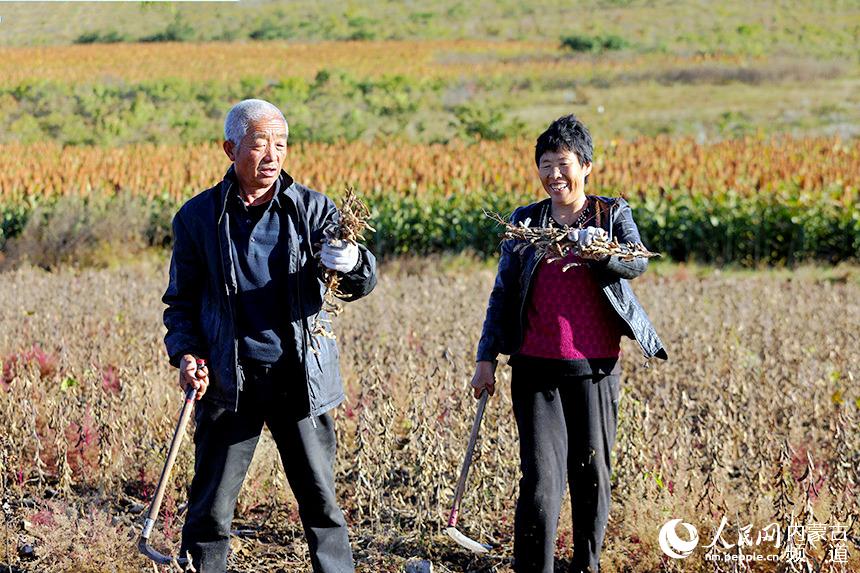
{"x":761,"y":381}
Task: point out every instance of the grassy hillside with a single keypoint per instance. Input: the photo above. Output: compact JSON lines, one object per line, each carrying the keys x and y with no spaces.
{"x":119,"y":73}
{"x":794,"y":27}
{"x":421,"y":91}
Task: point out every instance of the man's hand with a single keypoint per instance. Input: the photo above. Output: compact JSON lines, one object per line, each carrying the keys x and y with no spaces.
{"x":190,"y":374}
{"x":484,"y":378}
{"x":338,"y":255}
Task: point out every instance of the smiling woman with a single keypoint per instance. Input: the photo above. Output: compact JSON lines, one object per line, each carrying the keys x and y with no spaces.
{"x":563,"y":331}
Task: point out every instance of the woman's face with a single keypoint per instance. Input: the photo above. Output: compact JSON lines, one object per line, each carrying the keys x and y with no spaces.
{"x":562,"y":176}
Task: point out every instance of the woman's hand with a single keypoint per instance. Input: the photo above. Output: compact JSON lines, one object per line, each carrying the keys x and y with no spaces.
{"x":484,"y":378}
{"x":584,"y":237}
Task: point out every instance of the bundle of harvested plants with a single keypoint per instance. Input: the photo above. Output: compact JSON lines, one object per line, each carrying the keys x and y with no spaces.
{"x":352,"y":221}
{"x":555,"y":243}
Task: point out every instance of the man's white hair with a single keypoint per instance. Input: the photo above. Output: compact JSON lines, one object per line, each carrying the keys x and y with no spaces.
{"x":247,"y":112}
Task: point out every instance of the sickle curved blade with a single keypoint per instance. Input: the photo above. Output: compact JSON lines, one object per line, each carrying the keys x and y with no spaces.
{"x":469,"y":544}
{"x":156,"y":556}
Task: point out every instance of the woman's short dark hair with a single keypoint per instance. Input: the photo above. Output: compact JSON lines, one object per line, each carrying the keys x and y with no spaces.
{"x":566,"y":133}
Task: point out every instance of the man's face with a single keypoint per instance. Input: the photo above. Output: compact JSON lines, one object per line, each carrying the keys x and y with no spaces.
{"x":562,"y":176}
{"x":259,"y":156}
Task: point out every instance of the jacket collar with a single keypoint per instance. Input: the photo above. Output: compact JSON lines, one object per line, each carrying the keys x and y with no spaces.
{"x":545,"y":207}
{"x":609,"y":203}
{"x":230,"y":183}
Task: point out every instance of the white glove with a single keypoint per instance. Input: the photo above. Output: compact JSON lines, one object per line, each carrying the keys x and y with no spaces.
{"x":584,"y":237}
{"x":338,"y":255}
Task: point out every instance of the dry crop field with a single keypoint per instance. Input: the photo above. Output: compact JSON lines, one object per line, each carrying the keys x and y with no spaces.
{"x":753,"y":418}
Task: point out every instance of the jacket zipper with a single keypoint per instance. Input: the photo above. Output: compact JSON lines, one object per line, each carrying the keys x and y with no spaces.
{"x":302,"y":223}
{"x":238,"y":374}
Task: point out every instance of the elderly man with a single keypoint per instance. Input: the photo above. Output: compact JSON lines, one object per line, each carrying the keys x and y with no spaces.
{"x":244,"y":288}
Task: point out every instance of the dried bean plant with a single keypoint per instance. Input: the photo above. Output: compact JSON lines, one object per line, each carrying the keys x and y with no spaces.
{"x":753,"y":393}
{"x":554,"y":243}
{"x":352,"y":221}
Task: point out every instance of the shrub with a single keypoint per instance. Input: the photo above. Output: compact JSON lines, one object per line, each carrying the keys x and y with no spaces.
{"x":96,"y":37}
{"x":270,"y":32}
{"x":480,"y":121}
{"x":172,"y":110}
{"x":87,"y":231}
{"x":780,"y":228}
{"x":13,"y":217}
{"x":361,"y":28}
{"x":177,"y":31}
{"x":600,"y":43}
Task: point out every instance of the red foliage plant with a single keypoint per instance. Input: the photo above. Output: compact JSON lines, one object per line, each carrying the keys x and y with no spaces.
{"x":46,"y":362}
{"x":110,"y":379}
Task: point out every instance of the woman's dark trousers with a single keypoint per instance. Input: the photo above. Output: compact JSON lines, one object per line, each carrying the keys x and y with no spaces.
{"x":224,"y":445}
{"x":566,"y":425}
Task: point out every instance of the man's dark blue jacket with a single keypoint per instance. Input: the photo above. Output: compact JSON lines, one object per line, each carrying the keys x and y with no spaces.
{"x":200,"y":297}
